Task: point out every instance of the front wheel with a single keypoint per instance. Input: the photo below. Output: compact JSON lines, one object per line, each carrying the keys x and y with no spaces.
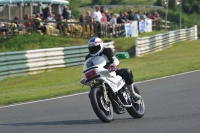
{"x":102,"y":108}
{"x":138,"y":109}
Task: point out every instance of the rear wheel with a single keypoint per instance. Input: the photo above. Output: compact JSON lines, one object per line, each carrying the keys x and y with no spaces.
{"x":138,"y":109}
{"x":102,"y":108}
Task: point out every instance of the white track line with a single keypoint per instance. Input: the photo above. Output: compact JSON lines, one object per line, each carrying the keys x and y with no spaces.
{"x":167,"y":76}
{"x":87,"y":92}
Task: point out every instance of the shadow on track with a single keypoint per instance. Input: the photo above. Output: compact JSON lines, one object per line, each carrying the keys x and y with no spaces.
{"x":67,"y":122}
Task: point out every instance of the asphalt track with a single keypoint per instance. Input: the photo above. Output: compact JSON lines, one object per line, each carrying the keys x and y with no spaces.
{"x":172,"y":106}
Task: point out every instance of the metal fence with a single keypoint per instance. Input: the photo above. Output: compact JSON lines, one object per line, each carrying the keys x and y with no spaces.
{"x":152,"y":44}
{"x":56,"y":28}
{"x":33,"y":61}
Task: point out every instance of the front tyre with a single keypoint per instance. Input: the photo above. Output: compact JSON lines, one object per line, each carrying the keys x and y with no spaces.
{"x":102,"y":109}
{"x":138,"y":109}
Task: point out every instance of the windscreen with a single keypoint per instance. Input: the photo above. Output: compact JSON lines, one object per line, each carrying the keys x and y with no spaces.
{"x":94,"y":61}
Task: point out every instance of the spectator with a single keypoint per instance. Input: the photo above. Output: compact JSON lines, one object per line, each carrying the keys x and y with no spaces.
{"x":65,"y":13}
{"x":97,"y":15}
{"x":27,"y":23}
{"x":46,"y":13}
{"x":97,"y":20}
{"x":119,"y":19}
{"x":41,"y":16}
{"x":113,"y":20}
{"x":157,"y":16}
{"x":137,"y":16}
{"x":3,"y":28}
{"x":104,"y":18}
{"x":15,"y":21}
{"x":88,"y":18}
{"x":148,"y":15}
{"x":51,"y":17}
{"x":130,"y":15}
{"x":153,"y":17}
{"x":125,"y":18}
{"x":107,"y":15}
{"x":143,"y":16}
{"x":38,"y":24}
{"x":59,"y":21}
{"x":81,"y":19}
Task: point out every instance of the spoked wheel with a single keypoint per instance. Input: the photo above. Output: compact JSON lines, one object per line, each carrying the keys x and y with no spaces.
{"x":138,"y":108}
{"x":102,"y":108}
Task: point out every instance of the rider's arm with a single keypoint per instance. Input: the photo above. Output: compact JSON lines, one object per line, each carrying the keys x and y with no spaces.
{"x":111,"y":56}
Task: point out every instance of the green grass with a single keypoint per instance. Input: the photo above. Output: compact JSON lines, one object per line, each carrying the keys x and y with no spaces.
{"x":181,"y":57}
{"x":37,"y":41}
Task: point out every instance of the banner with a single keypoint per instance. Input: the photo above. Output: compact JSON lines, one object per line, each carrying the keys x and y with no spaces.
{"x":142,"y":26}
{"x":148,"y":24}
{"x":134,"y":29}
{"x":128,"y":30}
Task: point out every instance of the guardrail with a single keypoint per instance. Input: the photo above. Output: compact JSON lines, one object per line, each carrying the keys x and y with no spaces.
{"x":152,"y":44}
{"x":32,"y":61}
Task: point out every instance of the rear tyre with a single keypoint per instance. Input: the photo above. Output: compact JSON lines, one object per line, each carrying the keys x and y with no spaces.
{"x":138,"y":109}
{"x":103,"y":110}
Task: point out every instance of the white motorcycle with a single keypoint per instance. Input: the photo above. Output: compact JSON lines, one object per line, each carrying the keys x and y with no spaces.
{"x":108,"y":92}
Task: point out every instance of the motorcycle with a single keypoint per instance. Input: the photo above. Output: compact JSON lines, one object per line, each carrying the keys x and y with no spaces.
{"x":109,"y":94}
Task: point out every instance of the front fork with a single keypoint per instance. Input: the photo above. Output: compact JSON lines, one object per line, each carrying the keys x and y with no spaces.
{"x":105,"y":94}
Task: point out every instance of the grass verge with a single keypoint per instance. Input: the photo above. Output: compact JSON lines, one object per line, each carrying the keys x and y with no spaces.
{"x":181,"y":57}
{"x":37,"y":41}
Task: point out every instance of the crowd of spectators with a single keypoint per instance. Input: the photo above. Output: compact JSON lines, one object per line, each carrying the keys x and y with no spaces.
{"x":98,"y":16}
{"x":114,"y":19}
{"x":38,"y":21}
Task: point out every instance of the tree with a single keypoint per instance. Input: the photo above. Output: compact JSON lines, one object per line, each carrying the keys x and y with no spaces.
{"x":188,"y":6}
{"x":191,"y":6}
{"x":115,"y":2}
{"x":74,"y":5}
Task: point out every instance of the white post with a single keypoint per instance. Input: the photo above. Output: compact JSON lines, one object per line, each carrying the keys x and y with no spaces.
{"x":59,"y":9}
{"x":195,"y":32}
{"x":9,"y":12}
{"x":180,"y":14}
{"x":31,"y":9}
{"x":20,"y":12}
{"x":136,"y":48}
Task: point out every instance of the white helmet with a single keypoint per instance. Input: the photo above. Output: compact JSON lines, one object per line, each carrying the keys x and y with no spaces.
{"x":95,"y":46}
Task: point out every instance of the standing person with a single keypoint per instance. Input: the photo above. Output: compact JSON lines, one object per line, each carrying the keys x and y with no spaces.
{"x":107,"y":15}
{"x":65,"y":13}
{"x":88,"y":18}
{"x":97,"y":15}
{"x":27,"y":23}
{"x":113,"y":20}
{"x":38,"y":24}
{"x":143,"y":16}
{"x":81,"y":19}
{"x":104,"y":17}
{"x":137,"y":16}
{"x":95,"y":46}
{"x":97,"y":20}
{"x":46,"y":13}
{"x":4,"y":28}
{"x":119,"y":19}
{"x":130,"y":15}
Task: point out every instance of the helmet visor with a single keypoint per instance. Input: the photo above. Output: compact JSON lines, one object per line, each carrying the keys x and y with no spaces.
{"x":94,"y":49}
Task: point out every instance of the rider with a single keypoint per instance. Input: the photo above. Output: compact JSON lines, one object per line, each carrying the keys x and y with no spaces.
{"x":95,"y":46}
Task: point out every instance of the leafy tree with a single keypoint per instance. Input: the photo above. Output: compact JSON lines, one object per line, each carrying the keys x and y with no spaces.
{"x":191,"y":6}
{"x":115,"y":2}
{"x":74,"y":5}
{"x":188,"y":6}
